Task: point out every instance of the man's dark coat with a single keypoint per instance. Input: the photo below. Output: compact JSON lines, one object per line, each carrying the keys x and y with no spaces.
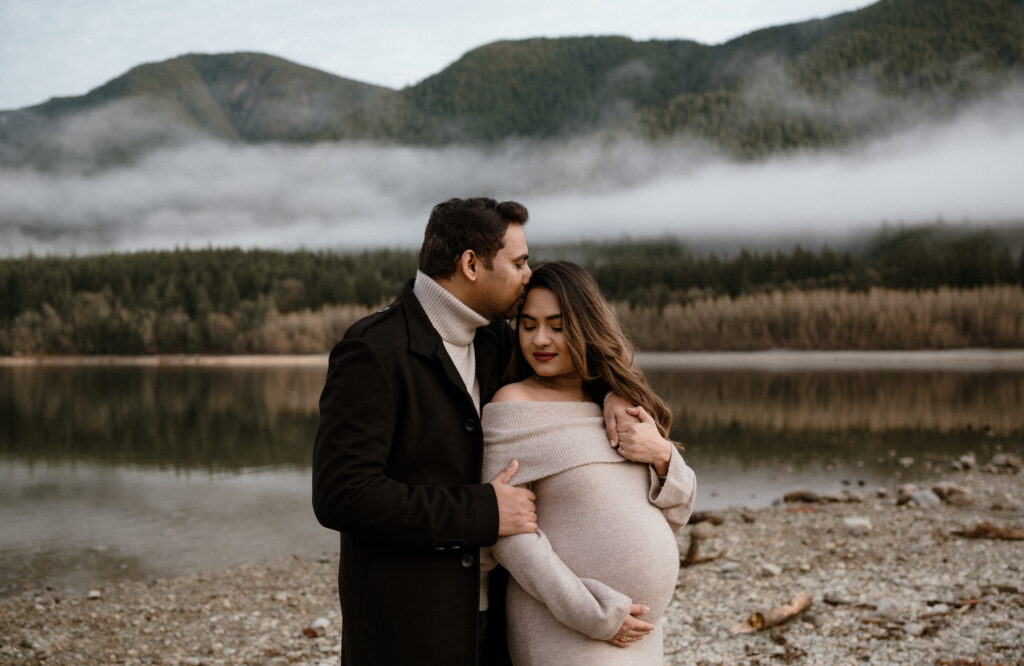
{"x":396,"y":470}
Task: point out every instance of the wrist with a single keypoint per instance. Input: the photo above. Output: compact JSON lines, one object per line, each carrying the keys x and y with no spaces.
{"x":661,"y":465}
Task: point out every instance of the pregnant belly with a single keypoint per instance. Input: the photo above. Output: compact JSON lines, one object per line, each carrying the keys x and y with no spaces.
{"x":601,"y":523}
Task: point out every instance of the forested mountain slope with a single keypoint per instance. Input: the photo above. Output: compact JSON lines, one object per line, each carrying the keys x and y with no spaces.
{"x":805,"y":85}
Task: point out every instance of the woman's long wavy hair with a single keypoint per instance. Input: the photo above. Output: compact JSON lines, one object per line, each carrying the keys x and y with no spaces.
{"x":600,"y":351}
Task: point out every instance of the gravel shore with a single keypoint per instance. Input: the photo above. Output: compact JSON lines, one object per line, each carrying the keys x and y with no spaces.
{"x":890,"y":584}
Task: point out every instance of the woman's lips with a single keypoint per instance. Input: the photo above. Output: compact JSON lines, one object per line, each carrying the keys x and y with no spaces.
{"x":544,"y":356}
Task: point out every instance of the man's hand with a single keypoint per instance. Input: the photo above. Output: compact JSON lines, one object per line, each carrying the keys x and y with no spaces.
{"x":641,"y":442}
{"x":615,"y":415}
{"x":633,"y":628}
{"x":517,"y":514}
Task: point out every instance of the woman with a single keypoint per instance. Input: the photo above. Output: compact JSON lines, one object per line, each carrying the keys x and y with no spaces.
{"x":607,"y":516}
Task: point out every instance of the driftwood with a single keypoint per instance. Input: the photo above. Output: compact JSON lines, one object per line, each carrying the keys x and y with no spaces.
{"x":986,"y":530}
{"x":810,"y":497}
{"x":704,"y":516}
{"x":758,"y":621}
{"x":963,"y":606}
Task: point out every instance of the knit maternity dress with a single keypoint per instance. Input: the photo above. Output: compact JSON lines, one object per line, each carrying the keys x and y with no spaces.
{"x":607,"y":535}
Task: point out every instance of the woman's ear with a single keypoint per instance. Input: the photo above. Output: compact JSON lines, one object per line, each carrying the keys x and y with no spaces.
{"x":469,"y":264}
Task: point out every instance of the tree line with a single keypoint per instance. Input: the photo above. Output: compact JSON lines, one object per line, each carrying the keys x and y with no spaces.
{"x":234,"y":300}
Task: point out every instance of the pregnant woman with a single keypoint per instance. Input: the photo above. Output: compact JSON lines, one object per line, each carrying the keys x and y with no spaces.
{"x":607,"y":517}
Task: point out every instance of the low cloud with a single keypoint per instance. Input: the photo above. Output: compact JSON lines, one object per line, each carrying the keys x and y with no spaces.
{"x":205,"y":192}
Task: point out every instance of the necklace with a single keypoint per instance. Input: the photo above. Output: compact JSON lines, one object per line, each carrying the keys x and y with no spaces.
{"x":544,"y":381}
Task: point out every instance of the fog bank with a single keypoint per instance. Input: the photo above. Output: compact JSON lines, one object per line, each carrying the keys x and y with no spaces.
{"x":341,"y":196}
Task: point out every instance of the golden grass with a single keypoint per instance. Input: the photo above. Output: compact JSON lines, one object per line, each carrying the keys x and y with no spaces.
{"x":832,"y":319}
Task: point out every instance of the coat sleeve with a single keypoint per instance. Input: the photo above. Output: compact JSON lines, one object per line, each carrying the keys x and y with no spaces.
{"x":675,"y":495}
{"x":352,"y":492}
{"x":584,"y":604}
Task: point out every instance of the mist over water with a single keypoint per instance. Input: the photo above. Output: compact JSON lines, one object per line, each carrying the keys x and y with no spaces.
{"x":202,"y":192}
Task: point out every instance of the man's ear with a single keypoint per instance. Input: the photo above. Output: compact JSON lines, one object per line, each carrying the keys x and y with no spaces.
{"x":469,"y":265}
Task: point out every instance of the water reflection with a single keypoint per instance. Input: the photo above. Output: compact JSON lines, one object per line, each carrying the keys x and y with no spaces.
{"x":109,"y":473}
{"x":837,"y":401}
{"x":240,"y":418}
{"x":162,"y":417}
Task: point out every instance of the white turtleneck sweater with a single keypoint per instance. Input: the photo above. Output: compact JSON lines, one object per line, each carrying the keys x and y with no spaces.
{"x":456,"y":323}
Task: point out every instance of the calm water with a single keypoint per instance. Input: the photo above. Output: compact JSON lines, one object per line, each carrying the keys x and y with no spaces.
{"x":112,"y":473}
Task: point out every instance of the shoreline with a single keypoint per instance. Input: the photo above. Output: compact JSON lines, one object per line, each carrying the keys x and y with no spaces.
{"x":970,"y":359}
{"x":893,"y":586}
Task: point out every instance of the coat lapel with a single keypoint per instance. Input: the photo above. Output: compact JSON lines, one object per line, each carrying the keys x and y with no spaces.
{"x":486,"y":347}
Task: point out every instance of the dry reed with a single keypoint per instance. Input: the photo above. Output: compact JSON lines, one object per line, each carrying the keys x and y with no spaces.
{"x":832,"y":319}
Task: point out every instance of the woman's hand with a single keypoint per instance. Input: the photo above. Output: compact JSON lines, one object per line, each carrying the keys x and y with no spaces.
{"x":641,"y":441}
{"x":633,"y":628}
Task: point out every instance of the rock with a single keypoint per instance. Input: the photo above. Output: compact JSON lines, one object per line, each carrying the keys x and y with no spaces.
{"x":881,"y":492}
{"x":321,"y":623}
{"x":968,"y":460}
{"x":726,"y":567}
{"x":905,"y":492}
{"x":939,"y":608}
{"x":971,"y":591}
{"x":957,"y":465}
{"x":768,"y":570}
{"x":889,"y":608}
{"x":94,"y":594}
{"x":1006,"y":461}
{"x":913,"y":629}
{"x":703,"y":530}
{"x":925,"y":498}
{"x":955,"y":494}
{"x":906,"y":463}
{"x":802,"y":496}
{"x":856,"y":525}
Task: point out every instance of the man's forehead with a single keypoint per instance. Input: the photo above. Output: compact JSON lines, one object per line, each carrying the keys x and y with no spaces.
{"x":515,"y":240}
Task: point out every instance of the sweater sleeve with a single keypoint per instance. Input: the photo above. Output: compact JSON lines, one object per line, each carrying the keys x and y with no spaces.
{"x":675,"y":495}
{"x":584,"y":604}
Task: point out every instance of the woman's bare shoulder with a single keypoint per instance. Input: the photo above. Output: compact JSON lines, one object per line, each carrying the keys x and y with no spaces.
{"x":515,"y":392}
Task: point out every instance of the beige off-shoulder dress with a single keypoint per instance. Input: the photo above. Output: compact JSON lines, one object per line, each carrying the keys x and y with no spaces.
{"x":606,"y":539}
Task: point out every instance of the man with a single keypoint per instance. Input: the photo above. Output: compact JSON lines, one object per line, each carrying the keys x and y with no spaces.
{"x":396,"y":464}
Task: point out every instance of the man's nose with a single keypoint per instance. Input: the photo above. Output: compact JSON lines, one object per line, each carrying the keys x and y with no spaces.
{"x":527,"y":273}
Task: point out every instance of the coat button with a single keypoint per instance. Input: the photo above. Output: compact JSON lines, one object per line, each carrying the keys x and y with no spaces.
{"x":466,"y":561}
{"x":470,"y":425}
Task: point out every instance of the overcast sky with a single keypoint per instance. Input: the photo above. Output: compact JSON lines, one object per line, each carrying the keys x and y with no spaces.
{"x":67,"y":47}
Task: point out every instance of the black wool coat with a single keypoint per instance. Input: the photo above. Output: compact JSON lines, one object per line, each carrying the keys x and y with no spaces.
{"x":396,"y":470}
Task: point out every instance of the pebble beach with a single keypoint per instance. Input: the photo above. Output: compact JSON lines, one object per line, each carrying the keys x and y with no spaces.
{"x":889,"y":580}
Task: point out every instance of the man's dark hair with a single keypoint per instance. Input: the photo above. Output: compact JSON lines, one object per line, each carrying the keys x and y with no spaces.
{"x":458,"y":225}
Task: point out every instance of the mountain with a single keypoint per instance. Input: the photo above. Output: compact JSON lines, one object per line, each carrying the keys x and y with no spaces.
{"x":813,"y":83}
{"x":810,"y":84}
{"x":249,"y":97}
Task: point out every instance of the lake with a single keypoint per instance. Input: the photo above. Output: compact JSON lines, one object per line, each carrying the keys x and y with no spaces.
{"x":117,"y":472}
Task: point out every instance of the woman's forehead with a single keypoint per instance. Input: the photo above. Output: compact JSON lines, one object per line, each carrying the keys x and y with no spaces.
{"x":541,"y":303}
